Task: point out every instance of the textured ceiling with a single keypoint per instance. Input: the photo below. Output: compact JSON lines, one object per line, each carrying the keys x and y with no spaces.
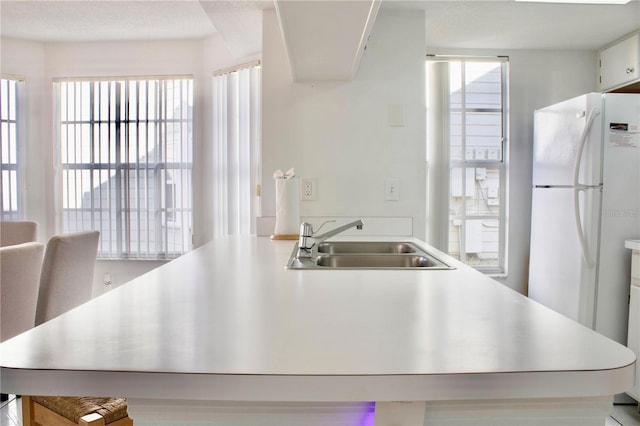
{"x":62,"y":21}
{"x":239,"y":23}
{"x":492,"y":24}
{"x":517,"y":25}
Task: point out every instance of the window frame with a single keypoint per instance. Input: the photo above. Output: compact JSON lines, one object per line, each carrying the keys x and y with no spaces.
{"x":446,"y":165}
{"x":122,"y":122}
{"x":19,"y":166}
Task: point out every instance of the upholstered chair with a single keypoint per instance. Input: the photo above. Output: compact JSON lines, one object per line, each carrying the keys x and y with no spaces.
{"x":67,"y":273}
{"x":66,"y":282}
{"x":19,"y":279}
{"x":12,"y":233}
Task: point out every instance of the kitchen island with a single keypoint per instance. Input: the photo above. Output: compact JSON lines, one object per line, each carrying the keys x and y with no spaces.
{"x":227,"y":335}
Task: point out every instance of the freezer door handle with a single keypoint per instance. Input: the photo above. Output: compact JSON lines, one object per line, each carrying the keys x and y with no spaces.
{"x":584,"y":137}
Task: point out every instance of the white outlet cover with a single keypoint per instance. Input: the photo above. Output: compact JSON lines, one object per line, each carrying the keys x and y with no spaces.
{"x":308,"y":189}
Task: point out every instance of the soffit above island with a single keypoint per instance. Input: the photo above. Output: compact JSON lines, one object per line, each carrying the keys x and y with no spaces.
{"x":325,"y":40}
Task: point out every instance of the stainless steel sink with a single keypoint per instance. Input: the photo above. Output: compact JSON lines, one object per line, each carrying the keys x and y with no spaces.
{"x":367,"y":255}
{"x":347,"y":247}
{"x":375,"y":261}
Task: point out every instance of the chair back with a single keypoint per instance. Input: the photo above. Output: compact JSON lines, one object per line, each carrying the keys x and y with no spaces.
{"x":67,"y":273}
{"x":19,"y":279}
{"x":12,"y":233}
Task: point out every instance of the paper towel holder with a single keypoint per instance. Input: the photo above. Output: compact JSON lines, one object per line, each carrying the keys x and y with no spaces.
{"x":287,"y":206}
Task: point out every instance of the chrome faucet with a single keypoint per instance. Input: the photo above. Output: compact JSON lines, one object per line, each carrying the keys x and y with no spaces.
{"x":307,"y":241}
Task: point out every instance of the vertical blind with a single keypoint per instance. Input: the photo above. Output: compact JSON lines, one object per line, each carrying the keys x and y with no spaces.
{"x":10,"y":154}
{"x":237,"y":153}
{"x":125,"y":149}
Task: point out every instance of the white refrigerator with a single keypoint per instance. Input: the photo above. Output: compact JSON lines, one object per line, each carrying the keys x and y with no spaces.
{"x":586,"y":203}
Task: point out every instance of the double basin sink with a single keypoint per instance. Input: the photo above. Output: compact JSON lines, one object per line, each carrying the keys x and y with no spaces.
{"x":366,"y":255}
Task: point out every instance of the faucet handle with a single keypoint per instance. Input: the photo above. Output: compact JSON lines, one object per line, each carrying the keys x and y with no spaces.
{"x":306,"y":229}
{"x":323,"y":224}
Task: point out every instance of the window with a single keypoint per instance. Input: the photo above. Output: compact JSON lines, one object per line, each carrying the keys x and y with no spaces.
{"x":237,"y":149}
{"x":10,"y":149}
{"x":471,"y":114}
{"x":125,"y":150}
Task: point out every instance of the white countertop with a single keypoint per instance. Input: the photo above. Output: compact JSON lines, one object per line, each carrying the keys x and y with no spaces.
{"x":632,"y":244}
{"x":229,"y":322}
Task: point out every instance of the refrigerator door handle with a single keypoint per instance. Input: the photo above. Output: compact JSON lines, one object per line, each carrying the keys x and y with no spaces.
{"x":577,"y":164}
{"x":579,"y":187}
{"x":583,"y":242}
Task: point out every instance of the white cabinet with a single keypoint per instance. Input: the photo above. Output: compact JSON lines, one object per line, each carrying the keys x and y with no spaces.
{"x":620,"y":63}
{"x":634,"y":336}
{"x":633,"y":341}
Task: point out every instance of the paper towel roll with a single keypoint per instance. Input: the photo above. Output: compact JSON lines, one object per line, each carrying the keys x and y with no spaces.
{"x":287,"y":209}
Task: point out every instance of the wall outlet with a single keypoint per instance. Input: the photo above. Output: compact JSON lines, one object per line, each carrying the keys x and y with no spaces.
{"x":392,"y":189}
{"x":308,"y":189}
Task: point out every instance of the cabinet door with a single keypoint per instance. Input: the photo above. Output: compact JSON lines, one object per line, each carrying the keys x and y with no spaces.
{"x":634,"y":336}
{"x":619,"y":63}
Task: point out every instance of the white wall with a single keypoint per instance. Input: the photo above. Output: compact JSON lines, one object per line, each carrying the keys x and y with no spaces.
{"x":338,"y":132}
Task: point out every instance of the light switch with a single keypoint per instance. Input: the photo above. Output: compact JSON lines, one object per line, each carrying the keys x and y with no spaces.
{"x":392,"y":189}
{"x":396,"y":115}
